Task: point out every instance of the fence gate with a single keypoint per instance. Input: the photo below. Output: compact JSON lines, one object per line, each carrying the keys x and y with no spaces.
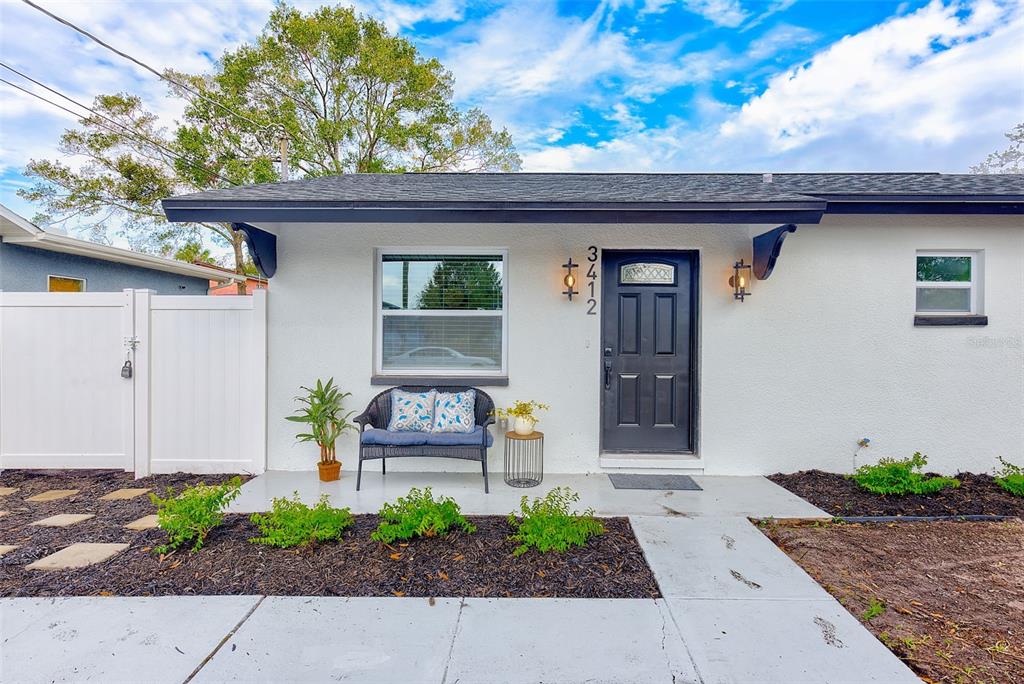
{"x":195,"y":400}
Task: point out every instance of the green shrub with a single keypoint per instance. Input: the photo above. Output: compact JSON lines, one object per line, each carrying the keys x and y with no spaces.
{"x":1011,"y":478}
{"x":901,"y":477}
{"x":189,"y":516}
{"x":292,"y":523}
{"x":548,"y":525}
{"x":418,"y":514}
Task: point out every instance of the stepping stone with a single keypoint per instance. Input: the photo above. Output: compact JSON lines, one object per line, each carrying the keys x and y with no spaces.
{"x":122,"y":494}
{"x":6,"y":548}
{"x":147,"y":522}
{"x":77,"y":556}
{"x":63,"y":519}
{"x":3,"y":513}
{"x":7,"y":491}
{"x":52,"y":495}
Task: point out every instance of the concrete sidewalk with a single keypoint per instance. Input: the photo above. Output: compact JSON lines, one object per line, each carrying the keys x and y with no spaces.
{"x":734,"y":609}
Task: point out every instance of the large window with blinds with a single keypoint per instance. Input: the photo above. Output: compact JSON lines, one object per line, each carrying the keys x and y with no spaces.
{"x":441,"y":312}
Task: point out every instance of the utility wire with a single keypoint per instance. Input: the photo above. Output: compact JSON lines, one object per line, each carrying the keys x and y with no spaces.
{"x":145,"y":66}
{"x":133,"y":134}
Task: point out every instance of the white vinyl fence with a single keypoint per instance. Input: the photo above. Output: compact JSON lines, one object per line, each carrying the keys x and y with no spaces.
{"x":195,"y":401}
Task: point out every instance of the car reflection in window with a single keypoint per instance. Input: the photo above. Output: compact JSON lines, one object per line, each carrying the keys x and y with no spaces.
{"x":438,"y":357}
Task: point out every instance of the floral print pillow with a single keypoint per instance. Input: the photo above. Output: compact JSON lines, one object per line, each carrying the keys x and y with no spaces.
{"x":455,"y":411}
{"x":411,"y":411}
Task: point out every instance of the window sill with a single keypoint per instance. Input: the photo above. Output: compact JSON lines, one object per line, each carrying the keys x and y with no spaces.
{"x":924,"y":321}
{"x":466,"y":380}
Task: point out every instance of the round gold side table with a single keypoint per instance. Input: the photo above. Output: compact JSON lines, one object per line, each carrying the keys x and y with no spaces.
{"x":524,"y":459}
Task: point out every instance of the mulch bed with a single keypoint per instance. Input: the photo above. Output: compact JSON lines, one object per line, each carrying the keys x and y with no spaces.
{"x":835,"y":494}
{"x":480,"y":564}
{"x":953,"y":591}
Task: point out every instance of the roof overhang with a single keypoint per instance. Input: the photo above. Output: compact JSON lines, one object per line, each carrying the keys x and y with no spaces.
{"x":183,"y":209}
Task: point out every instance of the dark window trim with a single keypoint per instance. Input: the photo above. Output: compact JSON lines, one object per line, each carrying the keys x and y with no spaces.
{"x":439,"y":380}
{"x":949,"y":321}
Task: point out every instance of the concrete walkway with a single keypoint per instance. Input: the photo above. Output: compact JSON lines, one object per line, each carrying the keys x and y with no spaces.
{"x":735,"y":609}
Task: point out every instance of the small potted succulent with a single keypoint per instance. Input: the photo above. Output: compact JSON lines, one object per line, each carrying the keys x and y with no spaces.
{"x":523,"y":415}
{"x":321,"y":409}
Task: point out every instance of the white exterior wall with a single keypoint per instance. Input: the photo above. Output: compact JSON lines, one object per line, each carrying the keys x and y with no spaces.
{"x":823,"y":354}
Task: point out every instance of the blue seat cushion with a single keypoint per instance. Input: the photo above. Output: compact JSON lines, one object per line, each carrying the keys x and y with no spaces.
{"x":393,"y":437}
{"x":381,"y":437}
{"x":473,"y":438}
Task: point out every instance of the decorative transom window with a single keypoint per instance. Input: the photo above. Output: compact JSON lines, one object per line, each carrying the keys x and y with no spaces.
{"x":647,"y":274}
{"x":948,"y":283}
{"x":441,"y":312}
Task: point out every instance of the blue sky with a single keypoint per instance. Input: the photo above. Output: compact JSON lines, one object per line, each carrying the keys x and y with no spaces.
{"x":629,"y":85}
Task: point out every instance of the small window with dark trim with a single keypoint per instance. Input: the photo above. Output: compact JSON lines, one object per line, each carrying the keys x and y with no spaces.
{"x":948,"y":283}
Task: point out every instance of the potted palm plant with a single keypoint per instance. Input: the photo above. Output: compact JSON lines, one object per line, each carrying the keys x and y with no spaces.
{"x":321,"y":409}
{"x":523,"y":414}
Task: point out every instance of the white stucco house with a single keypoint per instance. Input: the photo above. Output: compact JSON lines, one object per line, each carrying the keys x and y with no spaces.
{"x":719,"y":323}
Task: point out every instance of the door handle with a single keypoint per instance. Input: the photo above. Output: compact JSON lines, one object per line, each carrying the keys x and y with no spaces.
{"x":607,"y":375}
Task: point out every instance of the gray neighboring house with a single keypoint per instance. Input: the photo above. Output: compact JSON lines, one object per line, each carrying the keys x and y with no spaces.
{"x":35,"y":260}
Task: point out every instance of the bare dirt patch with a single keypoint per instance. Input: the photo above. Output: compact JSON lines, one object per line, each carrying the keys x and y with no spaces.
{"x":952,"y":592}
{"x":840,"y":496}
{"x":479,"y":564}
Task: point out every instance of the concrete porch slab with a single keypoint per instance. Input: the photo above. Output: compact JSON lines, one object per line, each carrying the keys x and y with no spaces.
{"x":124,"y":494}
{"x":568,"y":640}
{"x":719,"y":558}
{"x":63,"y":519}
{"x":80,"y":639}
{"x":77,"y":556}
{"x":296,"y":639}
{"x":52,"y":495}
{"x":721,"y":496}
{"x":783,"y":641}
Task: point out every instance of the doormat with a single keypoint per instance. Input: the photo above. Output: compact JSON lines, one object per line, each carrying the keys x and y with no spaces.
{"x":630,"y":481}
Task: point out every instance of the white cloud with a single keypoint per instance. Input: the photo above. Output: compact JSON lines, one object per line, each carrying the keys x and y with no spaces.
{"x":719,"y":12}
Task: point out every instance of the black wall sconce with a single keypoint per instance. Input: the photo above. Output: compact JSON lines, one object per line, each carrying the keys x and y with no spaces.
{"x":740,"y":280}
{"x":570,"y":279}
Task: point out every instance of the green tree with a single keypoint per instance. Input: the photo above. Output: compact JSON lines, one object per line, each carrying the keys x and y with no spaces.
{"x":461,"y":284}
{"x":1010,"y":160}
{"x":193,"y":252}
{"x":343,"y":92}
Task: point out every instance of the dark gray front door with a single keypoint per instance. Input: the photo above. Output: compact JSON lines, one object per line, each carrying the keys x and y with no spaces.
{"x":648,"y":312}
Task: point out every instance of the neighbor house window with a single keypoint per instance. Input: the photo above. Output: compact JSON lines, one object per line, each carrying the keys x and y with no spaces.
{"x":441,"y":312}
{"x":948,"y":283}
{"x":65,"y":284}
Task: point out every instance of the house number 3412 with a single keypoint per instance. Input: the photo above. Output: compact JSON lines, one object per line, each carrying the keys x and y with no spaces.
{"x":592,"y":280}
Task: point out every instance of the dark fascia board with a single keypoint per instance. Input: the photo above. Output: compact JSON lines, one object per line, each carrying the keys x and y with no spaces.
{"x":952,"y":207}
{"x":805,"y":213}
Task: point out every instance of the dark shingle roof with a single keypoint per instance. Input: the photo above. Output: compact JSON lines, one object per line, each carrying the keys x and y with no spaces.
{"x":521,"y":189}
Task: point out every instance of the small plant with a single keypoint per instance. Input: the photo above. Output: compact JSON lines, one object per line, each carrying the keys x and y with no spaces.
{"x":547,"y":524}
{"x":321,"y":409}
{"x":292,"y":523}
{"x":521,"y":409}
{"x":1011,"y":478}
{"x":189,"y":516}
{"x":418,"y":514}
{"x":874,"y":609}
{"x":901,"y":477}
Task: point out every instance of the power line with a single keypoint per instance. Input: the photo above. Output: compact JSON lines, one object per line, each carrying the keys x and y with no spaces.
{"x":133,"y":134}
{"x":142,"y":64}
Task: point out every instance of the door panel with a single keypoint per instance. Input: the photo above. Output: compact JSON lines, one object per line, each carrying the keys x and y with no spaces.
{"x":648,"y":325}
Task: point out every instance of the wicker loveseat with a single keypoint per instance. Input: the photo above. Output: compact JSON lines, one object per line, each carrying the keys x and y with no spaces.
{"x":377,"y":442}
